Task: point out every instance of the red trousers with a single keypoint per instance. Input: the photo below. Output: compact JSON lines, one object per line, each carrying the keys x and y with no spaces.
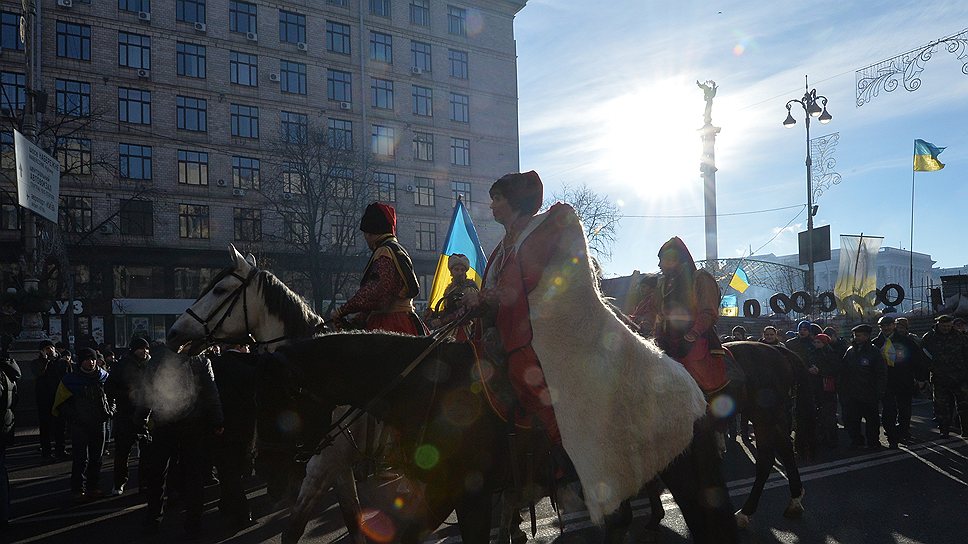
{"x":529,"y":385}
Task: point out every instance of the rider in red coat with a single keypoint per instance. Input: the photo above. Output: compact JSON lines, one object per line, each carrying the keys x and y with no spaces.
{"x":389,"y":285}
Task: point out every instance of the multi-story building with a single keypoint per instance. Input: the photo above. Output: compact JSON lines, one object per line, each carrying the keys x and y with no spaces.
{"x":184,"y":98}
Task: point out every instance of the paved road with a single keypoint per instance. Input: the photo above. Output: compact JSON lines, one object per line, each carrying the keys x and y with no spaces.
{"x":916,"y":494}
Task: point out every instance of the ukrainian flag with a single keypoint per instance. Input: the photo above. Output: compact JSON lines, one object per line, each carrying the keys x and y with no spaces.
{"x":926,"y":157}
{"x":462,"y":238}
{"x":740,"y":281}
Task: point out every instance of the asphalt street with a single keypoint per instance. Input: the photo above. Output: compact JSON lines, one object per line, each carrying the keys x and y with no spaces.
{"x":915,"y":494}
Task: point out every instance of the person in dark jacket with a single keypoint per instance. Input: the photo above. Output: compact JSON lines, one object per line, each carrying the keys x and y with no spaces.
{"x":824,"y":367}
{"x":904,"y":366}
{"x":947,"y":352}
{"x":864,"y":380}
{"x":11,"y":373}
{"x":185,"y":414}
{"x":127,"y":385}
{"x":80,"y":396}
{"x":49,"y":367}
{"x":235,"y":375}
{"x":802,"y":344}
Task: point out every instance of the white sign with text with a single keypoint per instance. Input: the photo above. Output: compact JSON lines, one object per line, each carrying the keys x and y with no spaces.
{"x":38,"y":178}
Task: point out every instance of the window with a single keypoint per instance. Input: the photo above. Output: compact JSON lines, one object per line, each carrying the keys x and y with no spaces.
{"x":136,"y":217}
{"x":342,"y":182}
{"x":423,"y":194}
{"x":189,"y":281}
{"x":243,"y":69}
{"x":245,"y":173}
{"x":242,"y":17}
{"x":380,"y":8}
{"x":381,"y":47}
{"x":457,"y":21}
{"x":135,"y":161}
{"x":423,"y":146}
{"x":458,"y":63}
{"x":386,"y":186}
{"x":426,"y":236}
{"x":292,"y":77}
{"x":139,"y":282}
{"x":135,"y":5}
{"x":190,"y":59}
{"x":73,"y":41}
{"x":382,"y":94}
{"x":342,"y":231}
{"x":192,"y":167}
{"x":245,"y":121}
{"x":338,"y":38}
{"x":292,"y":179}
{"x":420,"y":12}
{"x":296,"y":230}
{"x":192,"y":113}
{"x":339,"y":85}
{"x":382,"y":143}
{"x":73,"y":98}
{"x":76,"y":214}
{"x":460,"y":152}
{"x":7,"y":159}
{"x":13,"y":91}
{"x":134,"y":50}
{"x":340,"y":3}
{"x":420,"y":55}
{"x":10,"y":31}
{"x":459,"y":108}
{"x":340,"y":134}
{"x":190,"y":11}
{"x":423,"y":101}
{"x":74,"y":155}
{"x":295,"y":127}
{"x":134,"y":106}
{"x":192,"y":221}
{"x":462,"y":190}
{"x":292,"y":27}
{"x":9,"y":212}
{"x":248,"y":224}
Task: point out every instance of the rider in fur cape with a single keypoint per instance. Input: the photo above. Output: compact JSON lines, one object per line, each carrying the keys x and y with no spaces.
{"x":620,"y":408}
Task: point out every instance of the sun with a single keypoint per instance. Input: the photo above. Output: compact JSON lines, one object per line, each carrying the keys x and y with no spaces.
{"x":650,"y":142}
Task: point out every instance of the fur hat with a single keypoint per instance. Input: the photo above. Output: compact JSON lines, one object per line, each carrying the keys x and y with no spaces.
{"x":456,"y":259}
{"x":523,"y":191}
{"x":138,"y":343}
{"x":84,"y":354}
{"x":379,"y":218}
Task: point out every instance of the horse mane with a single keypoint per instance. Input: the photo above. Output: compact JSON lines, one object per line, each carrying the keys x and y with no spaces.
{"x":299,"y":319}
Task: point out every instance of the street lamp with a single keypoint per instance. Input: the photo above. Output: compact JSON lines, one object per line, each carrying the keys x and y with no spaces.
{"x":813,"y":106}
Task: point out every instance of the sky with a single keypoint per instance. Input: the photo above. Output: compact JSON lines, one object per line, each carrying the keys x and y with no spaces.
{"x":608,"y":98}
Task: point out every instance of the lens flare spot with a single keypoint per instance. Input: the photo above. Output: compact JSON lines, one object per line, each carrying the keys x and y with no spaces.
{"x":289,"y":421}
{"x":558,"y":281}
{"x":722,"y":406}
{"x":427,"y":456}
{"x":378,"y":526}
{"x":739,"y":49}
{"x":398,"y":503}
{"x":574,"y":260}
{"x":534,"y":376}
{"x":475,"y":22}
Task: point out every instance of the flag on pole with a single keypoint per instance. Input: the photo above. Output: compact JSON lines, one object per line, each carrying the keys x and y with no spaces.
{"x":740,"y":281}
{"x":926,"y":156}
{"x":461,"y":238}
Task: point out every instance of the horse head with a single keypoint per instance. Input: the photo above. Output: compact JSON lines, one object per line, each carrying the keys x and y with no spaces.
{"x":221,"y":313}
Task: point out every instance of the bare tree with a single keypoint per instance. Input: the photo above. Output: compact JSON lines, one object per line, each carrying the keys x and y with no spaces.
{"x":318,"y":187}
{"x":598,"y":214}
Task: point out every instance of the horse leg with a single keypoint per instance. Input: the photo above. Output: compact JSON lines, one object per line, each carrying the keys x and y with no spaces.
{"x":617,"y":523}
{"x":474,"y":518}
{"x":510,"y":528}
{"x":785,"y":454}
{"x":656,"y":511}
{"x":765,"y":453}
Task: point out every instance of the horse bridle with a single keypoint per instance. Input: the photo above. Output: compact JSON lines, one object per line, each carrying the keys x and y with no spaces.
{"x":230,"y":302}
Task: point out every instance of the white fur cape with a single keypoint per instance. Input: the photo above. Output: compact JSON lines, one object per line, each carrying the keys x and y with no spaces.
{"x":625,"y":409}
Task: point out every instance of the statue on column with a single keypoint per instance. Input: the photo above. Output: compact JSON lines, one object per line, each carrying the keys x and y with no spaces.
{"x":709,"y":92}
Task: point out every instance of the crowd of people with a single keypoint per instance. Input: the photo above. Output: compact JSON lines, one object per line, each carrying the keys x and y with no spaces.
{"x":873,"y":379}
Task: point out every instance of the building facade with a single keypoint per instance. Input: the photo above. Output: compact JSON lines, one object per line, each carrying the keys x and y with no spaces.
{"x":165,"y":114}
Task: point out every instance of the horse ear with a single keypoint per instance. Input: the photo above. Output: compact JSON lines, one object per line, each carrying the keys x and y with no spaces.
{"x":250,"y":258}
{"x":237,"y":258}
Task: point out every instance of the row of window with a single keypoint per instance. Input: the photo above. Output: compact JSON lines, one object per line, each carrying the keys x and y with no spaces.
{"x":134,"y":50}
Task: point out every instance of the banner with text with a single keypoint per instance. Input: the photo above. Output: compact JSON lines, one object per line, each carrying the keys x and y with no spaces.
{"x":38,"y":178}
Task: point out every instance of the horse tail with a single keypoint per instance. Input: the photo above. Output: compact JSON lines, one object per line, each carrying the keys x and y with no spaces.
{"x":804,"y":406}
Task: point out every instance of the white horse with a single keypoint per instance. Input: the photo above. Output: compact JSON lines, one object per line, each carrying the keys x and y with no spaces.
{"x":246,"y":305}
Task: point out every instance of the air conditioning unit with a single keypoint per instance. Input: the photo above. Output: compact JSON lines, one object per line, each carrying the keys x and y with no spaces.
{"x":238,"y":192}
{"x":144,"y":16}
{"x":65,"y":3}
{"x":416,"y":71}
{"x":302,"y":46}
{"x":220,"y":183}
{"x":106,"y":228}
{"x":287,"y":196}
{"x":144,"y":73}
{"x":273,"y":77}
{"x":252,"y":36}
{"x":345,"y":106}
{"x":200,"y":27}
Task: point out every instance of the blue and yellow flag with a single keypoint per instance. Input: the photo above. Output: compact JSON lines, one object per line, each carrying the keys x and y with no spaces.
{"x":461,"y":238}
{"x":740,"y":281}
{"x":926,"y":157}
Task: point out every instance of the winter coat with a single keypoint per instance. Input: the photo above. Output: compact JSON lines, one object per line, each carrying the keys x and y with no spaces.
{"x":947,"y":357}
{"x":904,"y":361}
{"x":81,"y":397}
{"x":864,"y":374}
{"x":127,"y":385}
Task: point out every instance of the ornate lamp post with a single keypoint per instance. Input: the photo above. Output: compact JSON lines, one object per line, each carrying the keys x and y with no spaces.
{"x":813,"y":105}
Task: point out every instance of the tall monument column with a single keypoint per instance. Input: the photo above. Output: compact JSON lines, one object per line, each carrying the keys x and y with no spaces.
{"x":707,"y":167}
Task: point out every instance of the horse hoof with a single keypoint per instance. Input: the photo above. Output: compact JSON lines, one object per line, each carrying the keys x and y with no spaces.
{"x":649,"y":536}
{"x":742,"y":520}
{"x":795,"y":508}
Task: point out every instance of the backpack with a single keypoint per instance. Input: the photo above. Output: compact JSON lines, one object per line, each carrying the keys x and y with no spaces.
{"x":8,"y":399}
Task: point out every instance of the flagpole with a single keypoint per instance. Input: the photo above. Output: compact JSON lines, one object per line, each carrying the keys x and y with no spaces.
{"x":911,"y":247}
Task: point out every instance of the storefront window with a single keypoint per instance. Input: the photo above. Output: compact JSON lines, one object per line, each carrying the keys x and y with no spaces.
{"x":189,"y":282}
{"x":139,"y":282}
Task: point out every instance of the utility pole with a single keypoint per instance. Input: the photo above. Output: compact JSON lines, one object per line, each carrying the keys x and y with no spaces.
{"x":707,"y":167}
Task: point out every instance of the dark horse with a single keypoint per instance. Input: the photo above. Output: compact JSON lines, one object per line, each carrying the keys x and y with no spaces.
{"x":457,"y":445}
{"x":767,"y":383}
